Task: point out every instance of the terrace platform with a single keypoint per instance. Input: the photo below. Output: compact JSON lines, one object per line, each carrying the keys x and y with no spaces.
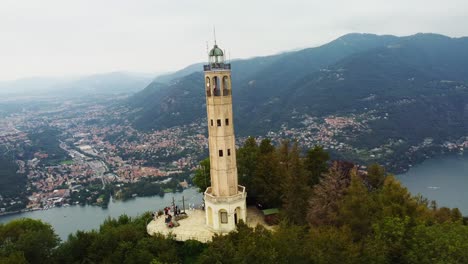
{"x":194,"y":227}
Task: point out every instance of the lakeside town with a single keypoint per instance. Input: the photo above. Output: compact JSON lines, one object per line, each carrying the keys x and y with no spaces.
{"x":75,"y":151}
{"x":69,"y":154}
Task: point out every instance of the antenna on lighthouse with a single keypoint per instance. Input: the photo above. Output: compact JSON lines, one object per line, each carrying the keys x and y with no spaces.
{"x":214,"y":34}
{"x":208,"y":51}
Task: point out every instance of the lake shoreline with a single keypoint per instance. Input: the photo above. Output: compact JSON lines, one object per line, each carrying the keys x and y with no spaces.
{"x":69,"y":219}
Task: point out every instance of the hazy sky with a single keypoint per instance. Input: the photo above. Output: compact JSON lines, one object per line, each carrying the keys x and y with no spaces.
{"x":74,"y":37}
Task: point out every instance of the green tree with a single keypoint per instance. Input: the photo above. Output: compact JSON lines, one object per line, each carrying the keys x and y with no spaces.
{"x":28,"y":238}
{"x":202,"y":177}
{"x":266,"y":183}
{"x":247,"y":159}
{"x":290,"y":242}
{"x":76,"y":248}
{"x":456,"y":215}
{"x":190,"y":250}
{"x":326,"y":197}
{"x":444,"y":214}
{"x":389,"y":241}
{"x":246,"y":245}
{"x":375,"y":176}
{"x":357,"y":208}
{"x":121,"y":240}
{"x":395,"y":200}
{"x":295,"y":189}
{"x":327,"y":244}
{"x":440,"y":243}
{"x":316,"y":164}
{"x":14,"y":258}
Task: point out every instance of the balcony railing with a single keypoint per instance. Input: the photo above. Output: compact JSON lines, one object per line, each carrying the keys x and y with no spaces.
{"x":217,"y":66}
{"x":241,"y":194}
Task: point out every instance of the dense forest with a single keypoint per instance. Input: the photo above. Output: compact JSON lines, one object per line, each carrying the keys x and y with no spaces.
{"x":46,"y":140}
{"x":11,"y":183}
{"x":331,"y":212}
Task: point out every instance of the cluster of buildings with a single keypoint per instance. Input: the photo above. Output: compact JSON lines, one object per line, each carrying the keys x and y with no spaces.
{"x":132,"y":154}
{"x":331,"y":132}
{"x":45,"y":200}
{"x":96,"y":152}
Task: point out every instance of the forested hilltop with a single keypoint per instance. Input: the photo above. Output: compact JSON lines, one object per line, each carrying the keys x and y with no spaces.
{"x":11,"y":184}
{"x":366,"y":98}
{"x":330,"y":212}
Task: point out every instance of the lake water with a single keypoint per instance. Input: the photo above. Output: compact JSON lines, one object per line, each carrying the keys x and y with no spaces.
{"x":443,"y":179}
{"x":66,"y":220}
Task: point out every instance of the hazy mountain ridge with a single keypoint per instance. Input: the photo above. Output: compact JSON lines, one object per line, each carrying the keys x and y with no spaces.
{"x":105,"y":83}
{"x":350,"y":75}
{"x":269,"y":76}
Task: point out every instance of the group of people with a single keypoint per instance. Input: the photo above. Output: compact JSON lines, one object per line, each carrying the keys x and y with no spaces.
{"x":168,"y":217}
{"x":170,"y":212}
{"x":175,"y":210}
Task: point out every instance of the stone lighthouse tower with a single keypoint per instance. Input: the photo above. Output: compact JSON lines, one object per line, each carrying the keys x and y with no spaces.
{"x":225,"y":200}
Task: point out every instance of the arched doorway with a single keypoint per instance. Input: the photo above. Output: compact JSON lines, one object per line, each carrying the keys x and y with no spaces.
{"x":237,"y":215}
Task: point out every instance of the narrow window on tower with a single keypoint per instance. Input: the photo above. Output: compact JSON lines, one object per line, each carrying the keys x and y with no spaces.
{"x":229,"y":152}
{"x":218,"y":122}
{"x":211,"y":122}
{"x":224,"y":217}
{"x":208,"y":90}
{"x":220,"y":152}
{"x":216,"y":86}
{"x":226,"y":121}
{"x":225,"y":86}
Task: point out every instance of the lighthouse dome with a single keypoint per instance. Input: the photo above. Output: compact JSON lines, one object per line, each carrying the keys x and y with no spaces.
{"x":216,"y":51}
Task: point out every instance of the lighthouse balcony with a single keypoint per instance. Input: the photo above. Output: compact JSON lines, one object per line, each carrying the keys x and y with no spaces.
{"x":241,"y":195}
{"x":216,"y":66}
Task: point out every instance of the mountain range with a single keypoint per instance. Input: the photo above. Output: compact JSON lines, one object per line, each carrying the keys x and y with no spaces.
{"x":419,"y":82}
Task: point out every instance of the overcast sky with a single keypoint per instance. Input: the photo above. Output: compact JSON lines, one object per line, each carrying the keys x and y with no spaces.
{"x":75,"y":37}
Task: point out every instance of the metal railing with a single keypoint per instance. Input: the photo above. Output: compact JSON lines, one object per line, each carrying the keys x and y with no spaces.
{"x":241,"y":194}
{"x":217,"y":66}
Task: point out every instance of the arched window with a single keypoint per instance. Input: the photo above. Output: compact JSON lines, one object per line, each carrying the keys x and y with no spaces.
{"x":208,"y":90}
{"x":216,"y":86}
{"x":226,"y":88}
